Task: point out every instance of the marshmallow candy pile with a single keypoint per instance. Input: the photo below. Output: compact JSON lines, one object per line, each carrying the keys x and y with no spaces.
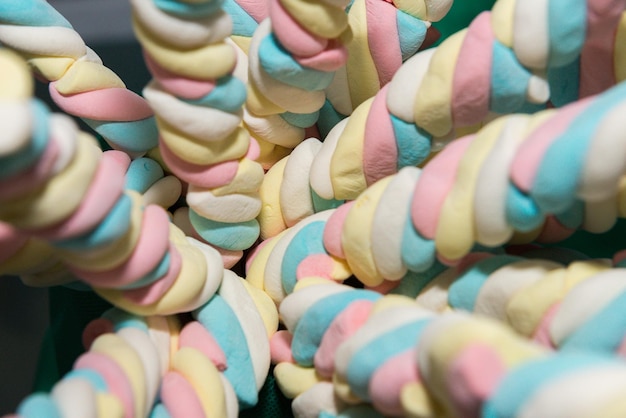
{"x":397,"y":210}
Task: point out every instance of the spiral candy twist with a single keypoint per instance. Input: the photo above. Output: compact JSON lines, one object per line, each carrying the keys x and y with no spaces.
{"x":394,"y":355}
{"x":483,"y":191}
{"x":198,"y":100}
{"x":212,"y":366}
{"x":482,"y":71}
{"x":133,"y":257}
{"x":561,"y":306}
{"x":385,"y":34}
{"x":79,"y":83}
{"x":118,"y":376}
{"x":293,"y":57}
{"x":292,"y":70}
{"x":221,"y":358}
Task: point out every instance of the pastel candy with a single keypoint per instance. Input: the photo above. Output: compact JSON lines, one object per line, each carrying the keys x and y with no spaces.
{"x":79,"y":83}
{"x":341,"y":328}
{"x":443,"y":92}
{"x":395,"y":336}
{"x":199,"y":113}
{"x":316,"y":399}
{"x":308,"y":333}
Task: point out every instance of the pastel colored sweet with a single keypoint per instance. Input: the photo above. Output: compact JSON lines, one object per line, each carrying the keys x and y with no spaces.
{"x":289,"y":98}
{"x":435,"y":182}
{"x":35,"y":146}
{"x":604,"y":381}
{"x":75,"y":398}
{"x":357,"y":234}
{"x":296,"y":304}
{"x":469,"y":364}
{"x":194,"y":284}
{"x":272,"y":278}
{"x":165,"y":192}
{"x":472,"y":103}
{"x":76,"y":177}
{"x":213,"y":175}
{"x":543,"y":370}
{"x":221,"y":320}
{"x":389,"y":219}
{"x":347,"y":181}
{"x":230,"y":208}
{"x":199,"y":114}
{"x":28,"y":28}
{"x":231,"y":236}
{"x":209,"y":29}
{"x":295,"y":195}
{"x":141,"y":343}
{"x":557,"y":279}
{"x":492,"y":227}
{"x":112,"y":374}
{"x":105,"y":255}
{"x":274,"y":129}
{"x":388,"y":381}
{"x":103,"y":193}
{"x":342,"y":327}
{"x":451,"y":90}
{"x":457,"y":211}
{"x":271,"y":220}
{"x":183,"y":87}
{"x":434,"y":354}
{"x":310,"y":329}
{"x":307,"y":255}
{"x":292,"y":58}
{"x":506,"y":281}
{"x":317,"y":399}
{"x":203,"y":377}
{"x":332,"y":234}
{"x":294,"y":380}
{"x":563,"y":191}
{"x":230,"y":398}
{"x":280,"y":347}
{"x":442,"y":196}
{"x":568,"y":328}
{"x":195,"y":121}
{"x":255,"y":269}
{"x":320,"y":176}
{"x":179,"y":398}
{"x":236,"y":295}
{"x":396,"y":333}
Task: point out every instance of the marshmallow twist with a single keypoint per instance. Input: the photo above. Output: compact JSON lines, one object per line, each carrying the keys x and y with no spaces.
{"x":519,"y":179}
{"x":561,"y":305}
{"x":79,"y":83}
{"x":72,"y":196}
{"x":212,"y":366}
{"x":293,"y":57}
{"x":119,"y":375}
{"x":197,"y":100}
{"x":483,"y":71}
{"x":391,"y":354}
